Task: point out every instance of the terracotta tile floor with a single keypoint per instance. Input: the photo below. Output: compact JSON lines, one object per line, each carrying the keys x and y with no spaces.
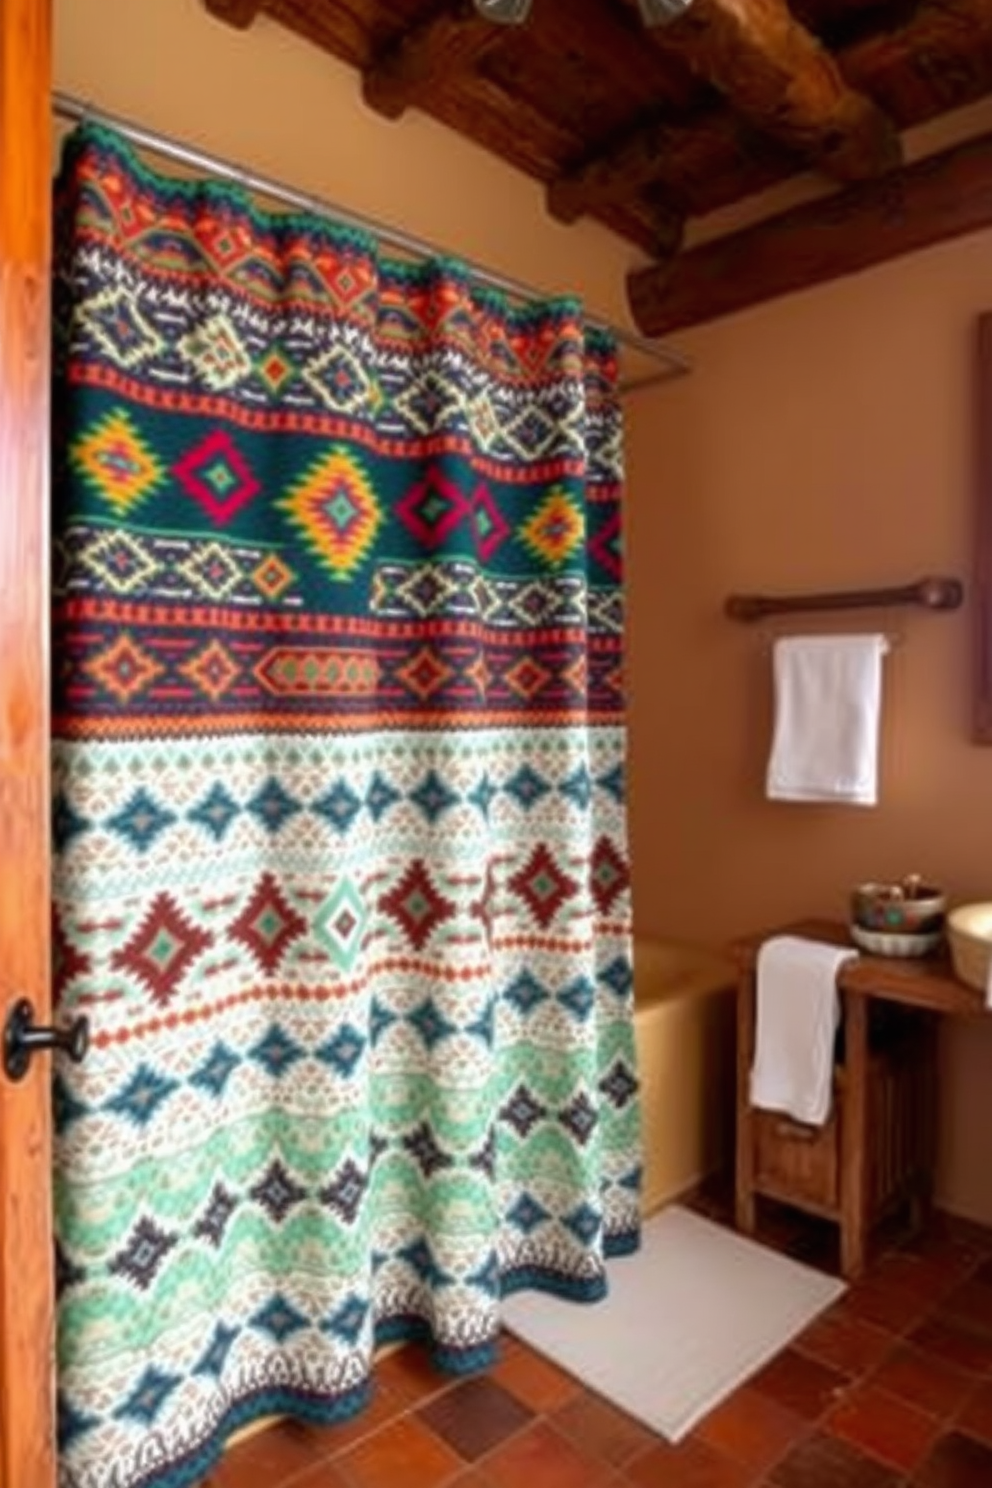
{"x":892,"y":1388}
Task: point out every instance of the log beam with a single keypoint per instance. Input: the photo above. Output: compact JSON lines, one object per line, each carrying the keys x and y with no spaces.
{"x":774,"y":74}
{"x":941,"y":197}
{"x":782,"y":80}
{"x":447,"y":43}
{"x":238,"y":13}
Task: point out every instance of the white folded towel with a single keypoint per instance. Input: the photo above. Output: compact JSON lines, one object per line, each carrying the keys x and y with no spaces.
{"x":798,"y":1014}
{"x":828,"y":697}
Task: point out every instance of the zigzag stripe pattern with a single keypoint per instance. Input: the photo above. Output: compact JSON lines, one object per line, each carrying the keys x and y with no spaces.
{"x":340,"y":859}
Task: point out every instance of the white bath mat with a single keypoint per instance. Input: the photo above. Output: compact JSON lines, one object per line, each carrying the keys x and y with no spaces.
{"x":688,"y":1319}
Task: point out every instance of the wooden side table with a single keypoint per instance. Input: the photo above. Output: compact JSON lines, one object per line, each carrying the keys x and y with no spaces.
{"x":877,"y":1149}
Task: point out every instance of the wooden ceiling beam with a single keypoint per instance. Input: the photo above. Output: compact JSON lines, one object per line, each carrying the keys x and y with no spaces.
{"x":441,"y":47}
{"x":239,"y":13}
{"x":775,"y":75}
{"x":941,"y":197}
{"x":782,"y":80}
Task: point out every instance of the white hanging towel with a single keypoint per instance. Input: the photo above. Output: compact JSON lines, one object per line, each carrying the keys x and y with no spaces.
{"x":828,"y":699}
{"x":798,"y":1015}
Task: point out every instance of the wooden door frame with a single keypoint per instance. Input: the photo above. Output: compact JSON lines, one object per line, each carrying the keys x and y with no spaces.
{"x":27,"y":1373}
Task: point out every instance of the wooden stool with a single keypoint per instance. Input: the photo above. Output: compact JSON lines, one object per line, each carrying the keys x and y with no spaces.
{"x":876,"y":1150}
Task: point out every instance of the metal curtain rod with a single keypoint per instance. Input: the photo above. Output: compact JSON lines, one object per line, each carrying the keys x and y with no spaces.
{"x":68,"y":106}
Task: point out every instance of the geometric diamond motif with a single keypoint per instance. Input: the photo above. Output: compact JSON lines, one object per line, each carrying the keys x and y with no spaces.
{"x":279,"y":1319}
{"x":275,"y":369}
{"x":214,"y":671}
{"x":425,"y":1151}
{"x":65,"y":1107}
{"x":483,"y":795}
{"x":142,"y":1095}
{"x":490,"y":525}
{"x":610,"y":875}
{"x":213,"y":1221}
{"x":523,"y":1111}
{"x":578,"y":788}
{"x":619,"y":1085}
{"x":433,"y":508}
{"x":149,"y":1396}
{"x":340,"y":925}
{"x":272,"y":577}
{"x":420,"y":1258}
{"x":542,"y":885}
{"x":555,"y":530}
{"x":431,"y":1024}
{"x":277,"y":1192}
{"x":526,"y":678}
{"x":531,"y":432}
{"x":120,"y":560}
{"x":66,"y":822}
{"x":580,"y":1117}
{"x":607,"y":547}
{"x":381,"y":796}
{"x":430,"y":402}
{"x":584,"y":1223}
{"x":619,"y":977}
{"x":276,"y":1052}
{"x":118,"y":325}
{"x":335,"y":509}
{"x":215,"y":812}
{"x":217,"y":476}
{"x":115,"y":461}
{"x":433,"y":797}
{"x":343,"y":1051}
{"x":526,"y":993}
{"x":349,"y":1320}
{"x":141,"y":820}
{"x":339,"y":380}
{"x":211,"y":570}
{"x":579,"y":998}
{"x":123,"y":669}
{"x":416,"y":906}
{"x":527,"y":1214}
{"x":214,"y":1074}
{"x":72,"y":1423}
{"x":272,"y":806}
{"x":614,"y":783}
{"x":144,"y":1253}
{"x":339,"y":806}
{"x":527,"y":787}
{"x":345,"y":1191}
{"x":163,"y":949}
{"x":267,"y":924}
{"x":215,"y":1357}
{"x":216,"y":353}
{"x":424,"y":674}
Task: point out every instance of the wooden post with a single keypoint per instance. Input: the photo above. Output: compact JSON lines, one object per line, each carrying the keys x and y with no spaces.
{"x":27,"y":1449}
{"x":854,"y":1137}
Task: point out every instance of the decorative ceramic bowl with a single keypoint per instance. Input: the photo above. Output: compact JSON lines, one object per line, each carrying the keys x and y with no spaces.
{"x":891,"y":943}
{"x":969,"y":932}
{"x":907,"y":908}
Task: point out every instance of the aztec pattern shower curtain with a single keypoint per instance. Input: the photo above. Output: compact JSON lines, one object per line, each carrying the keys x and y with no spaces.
{"x":341,"y":866}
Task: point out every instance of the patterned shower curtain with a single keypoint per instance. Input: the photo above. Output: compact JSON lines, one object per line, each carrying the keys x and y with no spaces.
{"x":341,"y":866}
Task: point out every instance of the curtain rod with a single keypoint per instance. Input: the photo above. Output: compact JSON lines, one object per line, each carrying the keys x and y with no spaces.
{"x":67,"y":106}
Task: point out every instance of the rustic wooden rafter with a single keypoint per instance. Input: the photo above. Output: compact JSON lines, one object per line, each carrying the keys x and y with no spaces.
{"x":447,"y":43}
{"x":239,"y":13}
{"x":775,"y":75}
{"x":943,"y":196}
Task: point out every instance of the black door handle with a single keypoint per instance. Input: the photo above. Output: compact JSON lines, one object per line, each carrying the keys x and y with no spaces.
{"x":22,"y":1038}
